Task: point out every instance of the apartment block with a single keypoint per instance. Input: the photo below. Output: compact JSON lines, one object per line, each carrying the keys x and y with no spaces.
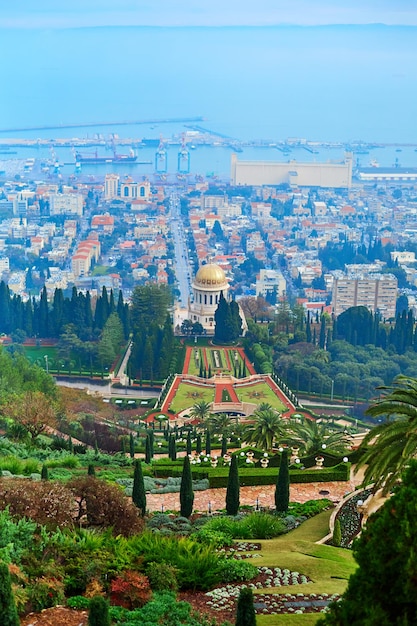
{"x":378,"y":292}
{"x":270,"y":281}
{"x":66,"y":204}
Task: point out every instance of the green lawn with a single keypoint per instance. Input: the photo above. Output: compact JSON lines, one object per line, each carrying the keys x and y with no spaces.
{"x":260,"y":392}
{"x":194,"y":367}
{"x":187,"y":395}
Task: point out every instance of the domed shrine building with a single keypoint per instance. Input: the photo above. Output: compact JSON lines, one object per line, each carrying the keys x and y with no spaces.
{"x":209,"y":282}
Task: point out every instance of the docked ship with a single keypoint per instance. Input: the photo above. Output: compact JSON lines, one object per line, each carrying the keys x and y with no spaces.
{"x":94,"y":158}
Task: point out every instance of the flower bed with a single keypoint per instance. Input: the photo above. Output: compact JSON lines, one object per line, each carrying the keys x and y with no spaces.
{"x":224,"y":599}
{"x":350,"y":518}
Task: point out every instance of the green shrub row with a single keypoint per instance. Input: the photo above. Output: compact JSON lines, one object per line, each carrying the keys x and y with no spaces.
{"x":257,"y":476}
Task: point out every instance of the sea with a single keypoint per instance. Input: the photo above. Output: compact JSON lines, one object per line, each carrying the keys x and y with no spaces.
{"x":321,"y":84}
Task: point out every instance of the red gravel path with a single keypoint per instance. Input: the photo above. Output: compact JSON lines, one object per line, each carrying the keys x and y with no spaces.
{"x":188,"y":352}
{"x":249,"y":365}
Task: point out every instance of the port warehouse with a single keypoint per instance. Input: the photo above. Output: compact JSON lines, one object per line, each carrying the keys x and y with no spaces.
{"x":331,"y":175}
{"x":388,"y":174}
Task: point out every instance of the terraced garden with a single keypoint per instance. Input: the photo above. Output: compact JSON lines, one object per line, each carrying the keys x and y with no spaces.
{"x":229,"y":361}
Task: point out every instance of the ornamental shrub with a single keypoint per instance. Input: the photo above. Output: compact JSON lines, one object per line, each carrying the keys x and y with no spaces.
{"x":138,"y":492}
{"x":80,"y":603}
{"x":214,"y":538}
{"x":162,"y":576}
{"x":186,"y":490}
{"x":233,"y":570}
{"x":98,"y":614}
{"x":337,"y":534}
{"x":232,"y":491}
{"x":282,"y":490}
{"x":46,"y":592}
{"x":8,"y":611}
{"x":131,"y":589}
{"x":261,"y":526}
{"x":245,"y":615}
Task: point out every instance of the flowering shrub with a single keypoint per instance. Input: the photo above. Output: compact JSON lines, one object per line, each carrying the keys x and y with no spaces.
{"x":45,"y":592}
{"x":130,"y":589}
{"x":46,"y":502}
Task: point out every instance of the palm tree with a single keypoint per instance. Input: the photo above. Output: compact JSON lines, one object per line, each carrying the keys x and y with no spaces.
{"x":310,"y":436}
{"x":219,"y":423}
{"x":390,"y":446}
{"x":200,"y":410}
{"x":265,"y":427}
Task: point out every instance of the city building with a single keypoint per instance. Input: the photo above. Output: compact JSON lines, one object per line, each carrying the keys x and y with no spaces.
{"x":111,"y":186}
{"x":270,"y":282}
{"x":66,"y":204}
{"x":378,"y":292}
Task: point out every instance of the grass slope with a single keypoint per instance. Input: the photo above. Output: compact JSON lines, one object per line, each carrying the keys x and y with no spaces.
{"x":328,"y":567}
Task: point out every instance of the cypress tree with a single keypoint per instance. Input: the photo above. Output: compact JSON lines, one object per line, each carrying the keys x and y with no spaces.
{"x":208,"y":443}
{"x":70,"y":446}
{"x":139,"y":493}
{"x":337,"y":534}
{"x":186,"y":490}
{"x":237,"y":320}
{"x":8,"y":612}
{"x":91,"y":470}
{"x":170,"y":447}
{"x":198,"y":446}
{"x":232,"y":491}
{"x":98,"y":614}
{"x":322,"y":337}
{"x":131,"y":446}
{"x":308,"y":332}
{"x":245,"y":614}
{"x":174,"y":449}
{"x":220,"y":319}
{"x":151,"y":439}
{"x":189,"y":445}
{"x":282,"y":490}
{"x":148,"y":455}
{"x":44,"y":473}
{"x":224,"y":445}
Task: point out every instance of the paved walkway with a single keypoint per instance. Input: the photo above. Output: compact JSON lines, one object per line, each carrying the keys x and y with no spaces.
{"x":335,"y":491}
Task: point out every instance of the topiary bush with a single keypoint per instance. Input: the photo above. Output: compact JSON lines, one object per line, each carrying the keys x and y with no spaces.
{"x":98,"y":614}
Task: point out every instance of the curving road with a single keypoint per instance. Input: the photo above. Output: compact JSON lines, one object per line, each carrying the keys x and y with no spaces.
{"x":182,"y":261}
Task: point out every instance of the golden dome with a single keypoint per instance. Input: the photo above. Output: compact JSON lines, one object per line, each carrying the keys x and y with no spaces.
{"x":211,"y":275}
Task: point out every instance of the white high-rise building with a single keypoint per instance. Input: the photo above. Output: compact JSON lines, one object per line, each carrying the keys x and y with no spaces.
{"x":378,"y":292}
{"x":111,"y":186}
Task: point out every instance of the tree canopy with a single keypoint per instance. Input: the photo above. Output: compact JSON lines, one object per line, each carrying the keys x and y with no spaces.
{"x":383,"y":590}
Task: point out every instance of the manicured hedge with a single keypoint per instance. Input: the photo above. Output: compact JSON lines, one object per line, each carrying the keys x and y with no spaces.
{"x":268,"y":476}
{"x":254,"y":476}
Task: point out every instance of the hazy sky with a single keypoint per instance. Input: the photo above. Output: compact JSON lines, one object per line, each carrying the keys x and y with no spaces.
{"x":58,"y":13}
